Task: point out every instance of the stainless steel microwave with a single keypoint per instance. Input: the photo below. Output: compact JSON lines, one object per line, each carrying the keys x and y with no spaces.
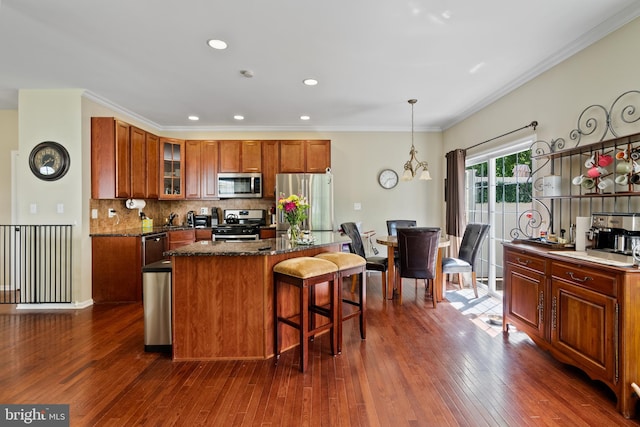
{"x":239,"y":185}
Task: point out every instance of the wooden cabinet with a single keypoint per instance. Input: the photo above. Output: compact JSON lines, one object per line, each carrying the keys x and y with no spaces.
{"x":270,"y":162}
{"x":179,"y":238}
{"x":201,"y":167}
{"x":584,"y":314}
{"x":524,"y":275}
{"x":110,"y":158}
{"x":138,"y":149}
{"x":313,"y":156}
{"x":240,"y":156}
{"x":192,"y":170}
{"x":116,"y":269}
{"x":203,"y":234}
{"x":267,"y":232}
{"x":171,"y":168}
{"x":152,"y":168}
{"x":120,"y":162}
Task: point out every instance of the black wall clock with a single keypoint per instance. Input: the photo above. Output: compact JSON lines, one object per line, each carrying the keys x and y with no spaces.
{"x":49,"y":160}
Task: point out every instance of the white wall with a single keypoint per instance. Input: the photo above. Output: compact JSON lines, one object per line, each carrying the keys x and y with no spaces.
{"x":8,"y":143}
{"x":596,"y":75}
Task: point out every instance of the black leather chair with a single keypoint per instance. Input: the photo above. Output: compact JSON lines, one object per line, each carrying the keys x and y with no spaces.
{"x":418,"y":250}
{"x":474,"y":235}
{"x":394,"y":224}
{"x":374,"y":263}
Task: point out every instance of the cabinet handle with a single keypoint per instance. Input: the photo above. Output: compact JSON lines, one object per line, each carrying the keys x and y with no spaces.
{"x":540,"y":308}
{"x":524,"y":262}
{"x":573,"y":277}
{"x":554,"y":309}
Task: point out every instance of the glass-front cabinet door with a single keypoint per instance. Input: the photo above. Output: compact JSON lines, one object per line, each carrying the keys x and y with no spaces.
{"x":172,"y":170}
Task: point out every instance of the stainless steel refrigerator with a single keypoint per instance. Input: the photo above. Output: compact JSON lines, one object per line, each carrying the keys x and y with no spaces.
{"x":318,"y":189}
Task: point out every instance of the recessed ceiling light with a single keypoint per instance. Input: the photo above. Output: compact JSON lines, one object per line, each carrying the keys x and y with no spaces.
{"x":305,"y":117}
{"x":194,"y":118}
{"x":238,"y":117}
{"x":217,"y":44}
{"x":310,"y":82}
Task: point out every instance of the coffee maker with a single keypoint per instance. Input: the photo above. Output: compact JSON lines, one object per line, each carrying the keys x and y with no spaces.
{"x":614,"y":235}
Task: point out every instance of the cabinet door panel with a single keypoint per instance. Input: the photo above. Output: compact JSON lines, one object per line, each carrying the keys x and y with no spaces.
{"x":153,"y":171}
{"x":269,"y":168}
{"x":524,"y":299}
{"x":209,"y":169}
{"x":251,"y":156}
{"x":123,"y":160}
{"x":318,"y":156}
{"x":138,"y":162}
{"x":230,"y":152}
{"x":583,"y":327}
{"x":193,"y":172}
{"x":292,"y":157}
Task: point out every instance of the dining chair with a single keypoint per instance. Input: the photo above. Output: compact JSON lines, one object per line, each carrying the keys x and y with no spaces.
{"x":374,"y":263}
{"x":418,"y":250}
{"x":394,"y":224}
{"x":474,"y":235}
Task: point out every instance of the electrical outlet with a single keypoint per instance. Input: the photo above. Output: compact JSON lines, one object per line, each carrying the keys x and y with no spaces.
{"x":112,"y":212}
{"x":94,"y":213}
{"x":357,"y":206}
{"x":204,"y":211}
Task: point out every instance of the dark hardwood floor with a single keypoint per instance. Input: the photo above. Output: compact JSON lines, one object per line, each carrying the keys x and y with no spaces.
{"x":417,"y":367}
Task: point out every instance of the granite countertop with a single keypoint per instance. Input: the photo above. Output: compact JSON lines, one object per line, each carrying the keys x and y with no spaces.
{"x":278,"y":245}
{"x":139,"y":231}
{"x":135,"y":232}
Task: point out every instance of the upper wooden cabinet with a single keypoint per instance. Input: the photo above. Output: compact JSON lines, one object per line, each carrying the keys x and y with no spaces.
{"x":201,"y":165}
{"x":312,"y":156}
{"x":240,"y":156}
{"x":152,"y":168}
{"x":120,"y":162}
{"x":270,"y":162}
{"x":171,"y":168}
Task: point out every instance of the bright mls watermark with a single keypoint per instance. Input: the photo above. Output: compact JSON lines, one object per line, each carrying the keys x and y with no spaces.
{"x":34,"y":415}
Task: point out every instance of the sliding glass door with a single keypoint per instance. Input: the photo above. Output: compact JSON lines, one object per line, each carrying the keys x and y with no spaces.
{"x":498,"y":192}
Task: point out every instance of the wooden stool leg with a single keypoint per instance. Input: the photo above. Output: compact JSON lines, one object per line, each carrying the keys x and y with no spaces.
{"x":335,"y":301}
{"x":340,"y":309}
{"x":362,"y":297}
{"x":304,"y":327}
{"x":276,"y":323}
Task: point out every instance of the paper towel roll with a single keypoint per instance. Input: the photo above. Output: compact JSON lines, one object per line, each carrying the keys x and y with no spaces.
{"x":583,"y":224}
{"x":135,"y":204}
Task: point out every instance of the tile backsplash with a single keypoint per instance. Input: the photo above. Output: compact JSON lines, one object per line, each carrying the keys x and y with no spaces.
{"x":159,"y":210}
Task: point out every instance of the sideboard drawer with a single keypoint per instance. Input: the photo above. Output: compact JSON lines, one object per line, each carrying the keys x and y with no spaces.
{"x":526,"y":260}
{"x":586,"y":277}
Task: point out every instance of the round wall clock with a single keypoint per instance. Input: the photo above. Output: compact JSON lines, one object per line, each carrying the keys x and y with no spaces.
{"x":388,"y":178}
{"x":49,"y":161}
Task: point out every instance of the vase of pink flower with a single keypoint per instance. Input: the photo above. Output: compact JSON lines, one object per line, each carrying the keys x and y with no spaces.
{"x":294,"y":208}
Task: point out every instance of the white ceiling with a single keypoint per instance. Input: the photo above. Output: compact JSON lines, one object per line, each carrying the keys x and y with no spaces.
{"x":150,"y":57}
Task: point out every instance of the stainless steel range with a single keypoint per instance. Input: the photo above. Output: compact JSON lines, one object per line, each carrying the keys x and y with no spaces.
{"x":240,"y":225}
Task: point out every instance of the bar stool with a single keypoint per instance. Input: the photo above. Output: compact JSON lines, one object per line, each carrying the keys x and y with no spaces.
{"x":304,"y":273}
{"x":350,"y":265}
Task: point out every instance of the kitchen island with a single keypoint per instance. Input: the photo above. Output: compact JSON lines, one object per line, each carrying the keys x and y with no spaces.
{"x":222,"y":305}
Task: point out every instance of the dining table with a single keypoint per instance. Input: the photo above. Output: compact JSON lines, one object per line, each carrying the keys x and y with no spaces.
{"x":391,"y":242}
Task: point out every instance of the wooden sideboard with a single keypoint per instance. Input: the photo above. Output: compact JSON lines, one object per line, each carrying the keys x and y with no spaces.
{"x":585,"y":314}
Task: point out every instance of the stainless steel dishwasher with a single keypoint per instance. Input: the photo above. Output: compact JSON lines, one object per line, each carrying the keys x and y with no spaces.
{"x":156,"y":299}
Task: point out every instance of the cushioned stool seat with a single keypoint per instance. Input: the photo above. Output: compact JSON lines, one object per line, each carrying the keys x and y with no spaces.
{"x":304,"y":273}
{"x":354,"y":266}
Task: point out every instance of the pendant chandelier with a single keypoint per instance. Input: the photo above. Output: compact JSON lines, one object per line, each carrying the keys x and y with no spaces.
{"x":413,"y":165}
